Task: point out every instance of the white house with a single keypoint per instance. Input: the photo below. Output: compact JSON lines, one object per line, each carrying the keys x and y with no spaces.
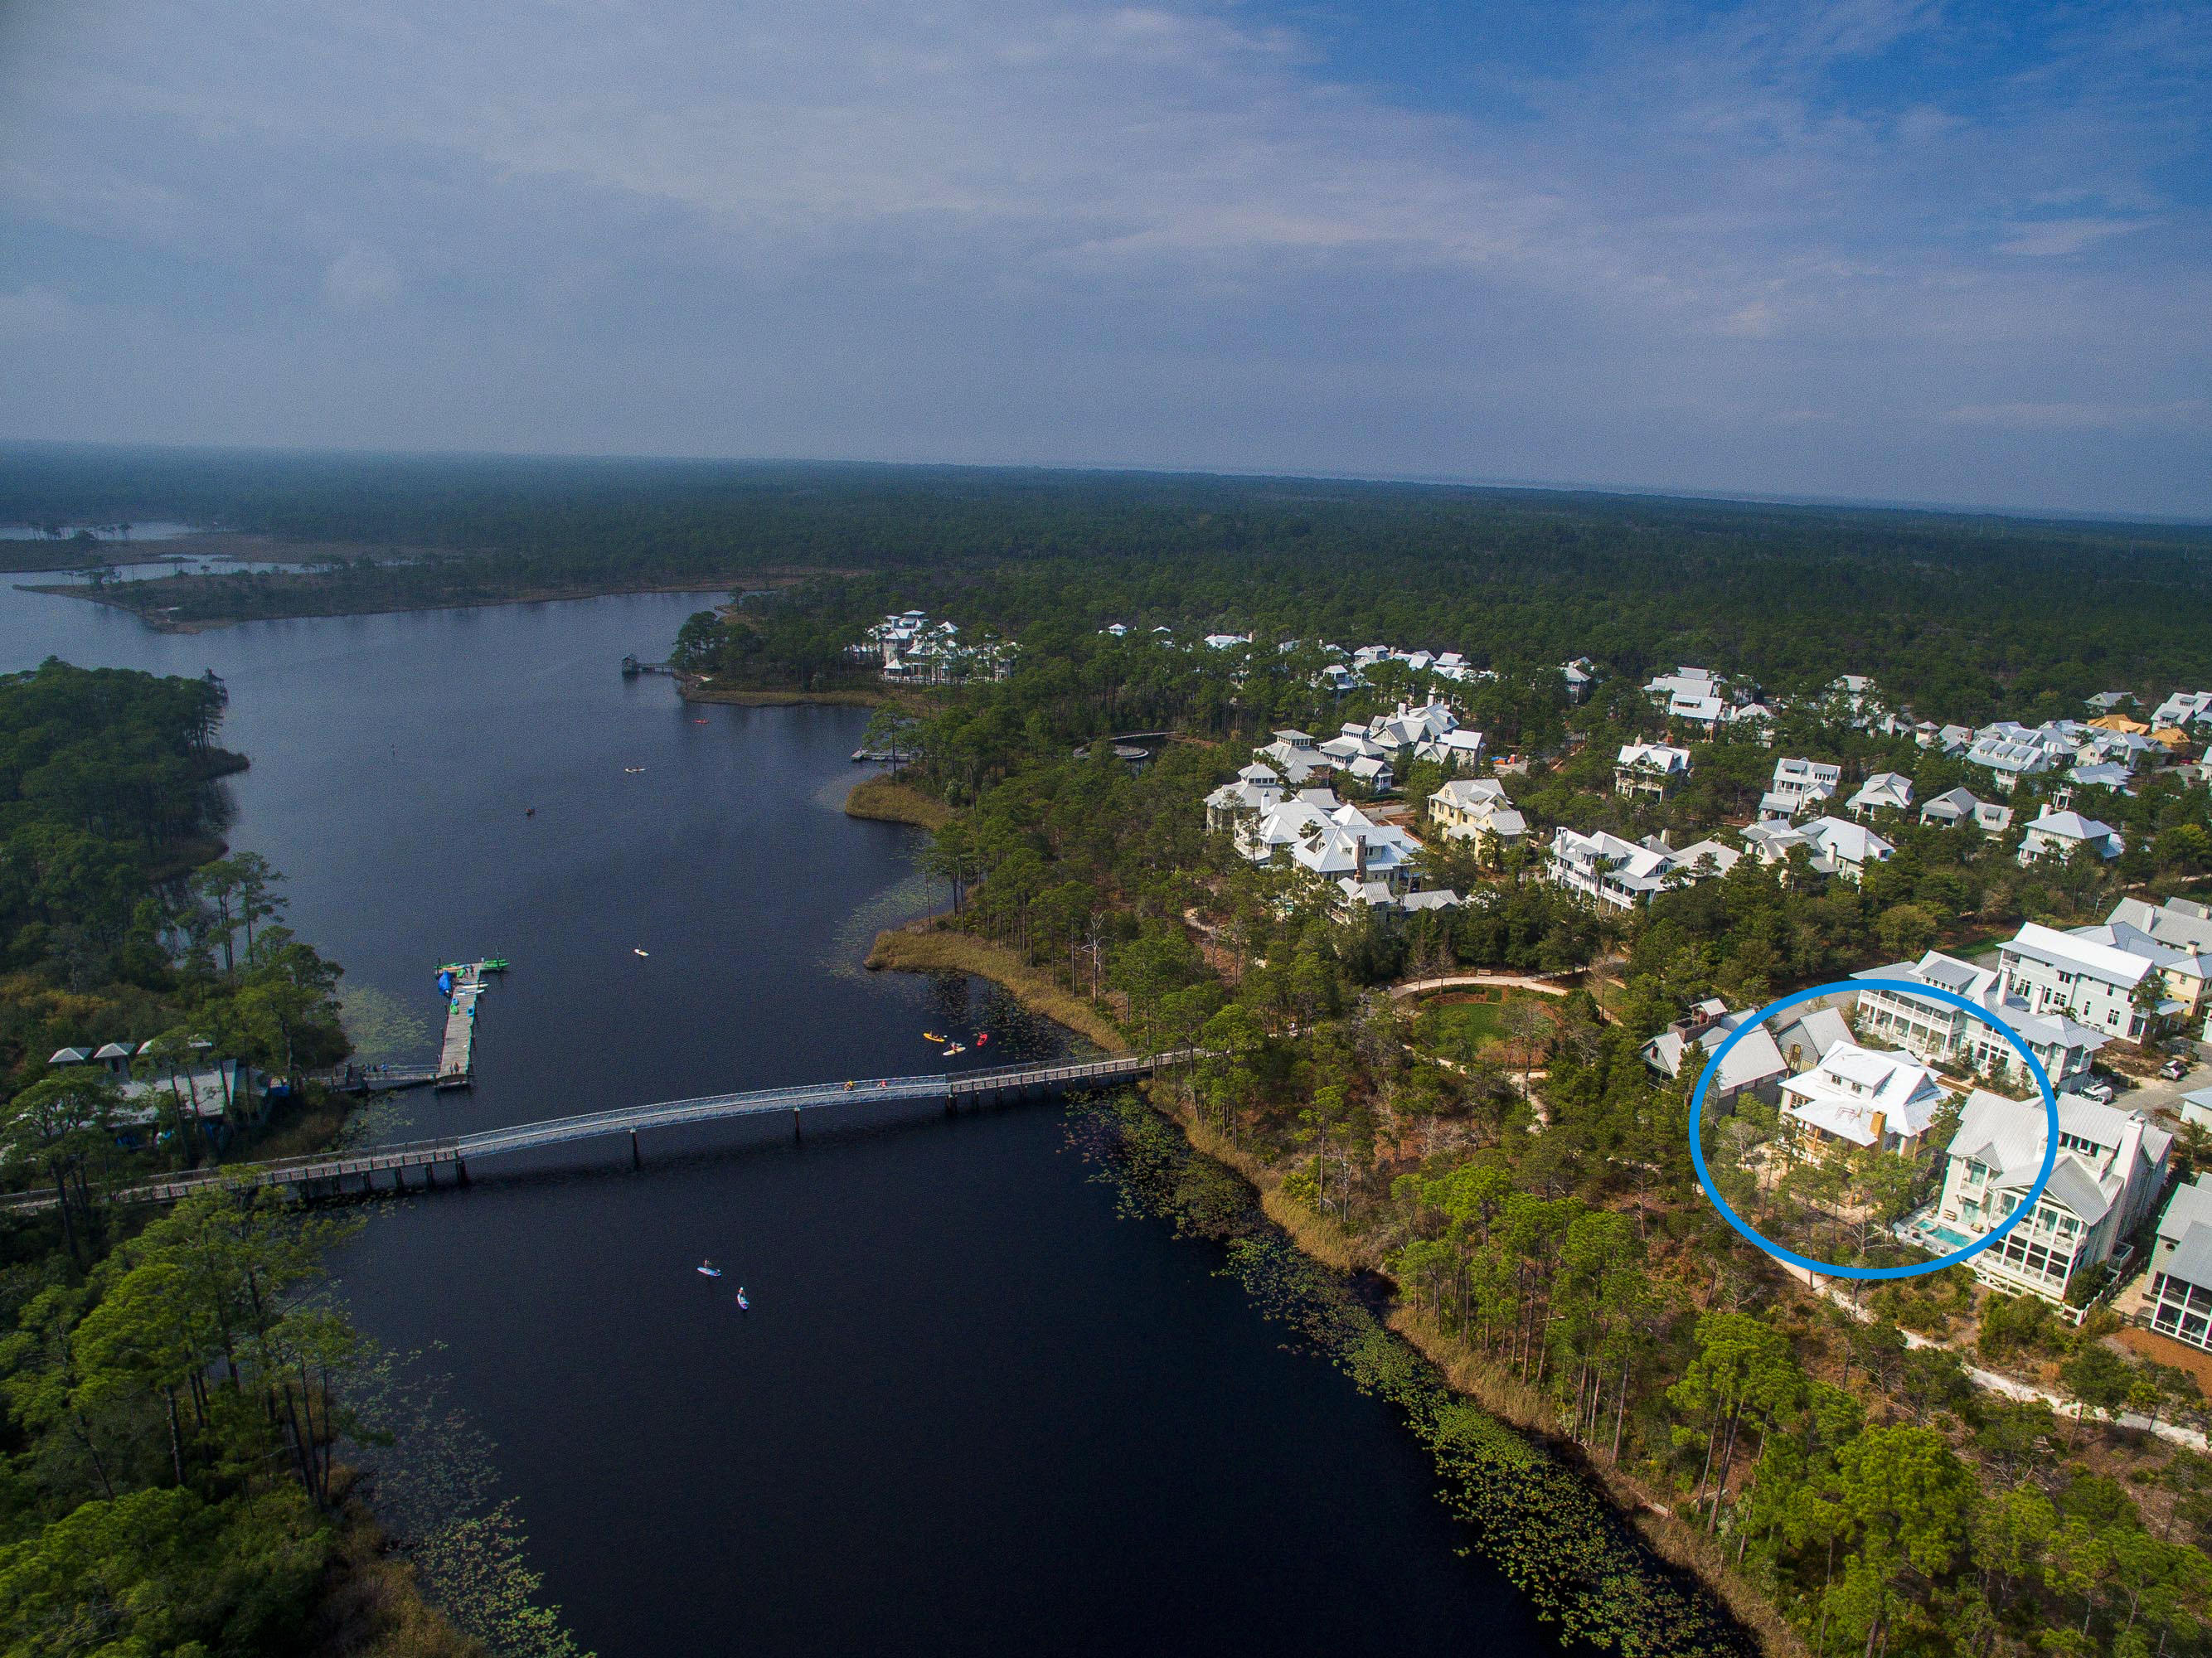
{"x":1885,"y":791}
{"x":2094,"y":983}
{"x":1936,"y":1030}
{"x":2179,"y":1301}
{"x":1848,"y":847}
{"x":1580,"y":675}
{"x":1798,"y":785}
{"x":2011,"y":751}
{"x":1622,"y":874}
{"x":1956,"y":806}
{"x":1692,"y":694}
{"x":1652,"y":768}
{"x":2111,"y":1167}
{"x":1857,"y":1098}
{"x":1476,"y":809}
{"x":1256,"y":789}
{"x":2064,"y":833}
{"x":2183,"y":709}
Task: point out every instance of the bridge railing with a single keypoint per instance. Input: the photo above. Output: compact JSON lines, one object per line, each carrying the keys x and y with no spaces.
{"x":553,"y":1130}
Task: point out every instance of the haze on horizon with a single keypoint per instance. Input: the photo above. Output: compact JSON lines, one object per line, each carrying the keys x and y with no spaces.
{"x":1868,"y":249}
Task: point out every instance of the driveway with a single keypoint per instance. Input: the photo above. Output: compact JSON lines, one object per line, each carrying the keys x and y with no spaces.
{"x":2158,"y":1095}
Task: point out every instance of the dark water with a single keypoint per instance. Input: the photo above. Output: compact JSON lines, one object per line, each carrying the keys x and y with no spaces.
{"x":972,"y":1411}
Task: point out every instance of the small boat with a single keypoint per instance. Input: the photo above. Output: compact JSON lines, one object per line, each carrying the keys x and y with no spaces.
{"x":530,"y":812}
{"x":950,"y":1048}
{"x":744,"y":1306}
{"x":635,"y":951}
{"x":932,"y":1037}
{"x":982,"y":1036}
{"x":632,"y":771}
{"x":707,"y":1269}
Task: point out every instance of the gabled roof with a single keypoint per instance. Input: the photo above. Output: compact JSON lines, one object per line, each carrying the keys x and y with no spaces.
{"x":2063,"y":950}
{"x":2189,"y":1206}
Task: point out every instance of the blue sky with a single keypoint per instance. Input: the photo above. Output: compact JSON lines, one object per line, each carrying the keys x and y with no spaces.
{"x":1880,"y":249}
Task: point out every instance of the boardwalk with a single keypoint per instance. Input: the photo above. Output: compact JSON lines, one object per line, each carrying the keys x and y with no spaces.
{"x":358,"y":1171}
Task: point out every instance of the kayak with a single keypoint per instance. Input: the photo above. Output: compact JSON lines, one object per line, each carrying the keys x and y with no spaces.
{"x":744,"y":1306}
{"x":932,"y":1037}
{"x":705,"y":1271}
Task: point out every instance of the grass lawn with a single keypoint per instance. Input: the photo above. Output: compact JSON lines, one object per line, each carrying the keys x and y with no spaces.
{"x":1461,"y":1024}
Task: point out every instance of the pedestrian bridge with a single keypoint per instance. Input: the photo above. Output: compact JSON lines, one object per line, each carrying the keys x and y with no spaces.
{"x":855,"y":1101}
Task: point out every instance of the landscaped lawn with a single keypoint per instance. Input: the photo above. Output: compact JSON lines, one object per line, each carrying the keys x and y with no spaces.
{"x":1457,"y":1026}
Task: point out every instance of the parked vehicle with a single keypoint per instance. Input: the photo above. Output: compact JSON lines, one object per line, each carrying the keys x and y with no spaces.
{"x":2098,"y":1089}
{"x":2174,"y":1070}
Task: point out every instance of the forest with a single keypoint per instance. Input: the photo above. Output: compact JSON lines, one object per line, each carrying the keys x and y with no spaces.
{"x":183,"y":1403}
{"x":1965,"y":612}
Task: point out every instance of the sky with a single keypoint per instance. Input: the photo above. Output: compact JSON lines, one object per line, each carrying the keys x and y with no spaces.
{"x":1890,"y":249}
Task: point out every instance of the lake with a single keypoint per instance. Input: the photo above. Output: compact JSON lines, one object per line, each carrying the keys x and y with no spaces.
{"x":973,"y":1409}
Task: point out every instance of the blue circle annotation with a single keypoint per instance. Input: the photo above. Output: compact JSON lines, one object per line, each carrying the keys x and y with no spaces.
{"x":1922,"y":992}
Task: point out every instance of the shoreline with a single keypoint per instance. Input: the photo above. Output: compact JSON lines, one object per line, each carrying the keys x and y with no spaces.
{"x":884,"y":800}
{"x":109,"y":597}
{"x":907,"y":949}
{"x":1506,"y":1398}
{"x":691,"y":690}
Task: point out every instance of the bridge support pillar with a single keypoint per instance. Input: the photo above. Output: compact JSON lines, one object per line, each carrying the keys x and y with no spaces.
{"x":460,"y":1172}
{"x":797,"y":1139}
{"x":636,"y":1161}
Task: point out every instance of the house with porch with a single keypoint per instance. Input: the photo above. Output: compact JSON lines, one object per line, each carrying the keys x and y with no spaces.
{"x":1942,"y":1033}
{"x":2109,"y":1169}
{"x":1652,"y":768}
{"x":2062,"y":834}
{"x":1476,"y":809}
{"x":2104,"y":988}
{"x":1799,"y":786}
{"x":2179,"y":1299}
{"x":1857,"y":1098}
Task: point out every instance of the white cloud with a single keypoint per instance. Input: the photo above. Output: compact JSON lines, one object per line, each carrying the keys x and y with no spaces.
{"x":2055,"y":238}
{"x":1154,"y":234}
{"x":30,"y":312}
{"x":359,"y":278}
{"x":2187,"y":413}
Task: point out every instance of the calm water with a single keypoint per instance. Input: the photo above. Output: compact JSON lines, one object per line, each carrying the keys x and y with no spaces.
{"x":972,"y":1411}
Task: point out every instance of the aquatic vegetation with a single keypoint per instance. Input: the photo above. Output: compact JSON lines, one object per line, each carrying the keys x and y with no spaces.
{"x":1531,"y":1513}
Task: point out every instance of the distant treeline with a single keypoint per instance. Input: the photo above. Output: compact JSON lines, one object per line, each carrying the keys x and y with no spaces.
{"x":1957,"y":613}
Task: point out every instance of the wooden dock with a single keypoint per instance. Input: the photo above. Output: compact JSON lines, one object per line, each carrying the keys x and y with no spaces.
{"x":457,"y":1058}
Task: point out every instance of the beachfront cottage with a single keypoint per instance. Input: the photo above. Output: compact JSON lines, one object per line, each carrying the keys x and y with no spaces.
{"x":1941,"y":1033}
{"x":2180,"y":1300}
{"x":1652,"y":768}
{"x":2109,"y":1169}
{"x":1857,"y":1099}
